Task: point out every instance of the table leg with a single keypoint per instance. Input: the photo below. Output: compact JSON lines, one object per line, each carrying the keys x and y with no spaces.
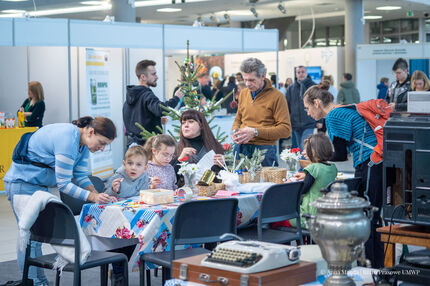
{"x":390,"y":255}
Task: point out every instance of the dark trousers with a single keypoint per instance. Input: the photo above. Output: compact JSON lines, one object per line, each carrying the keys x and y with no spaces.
{"x":374,"y":248}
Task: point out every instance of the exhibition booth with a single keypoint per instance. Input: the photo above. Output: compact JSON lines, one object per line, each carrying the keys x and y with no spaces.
{"x":84,"y":66}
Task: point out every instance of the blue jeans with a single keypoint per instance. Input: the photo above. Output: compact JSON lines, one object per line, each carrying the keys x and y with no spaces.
{"x":248,"y":150}
{"x":35,"y":273}
{"x":301,"y":135}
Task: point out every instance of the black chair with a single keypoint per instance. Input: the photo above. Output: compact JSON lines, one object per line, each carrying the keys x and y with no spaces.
{"x":280,"y":202}
{"x":56,"y":225}
{"x":354,"y":184}
{"x":98,"y":183}
{"x":195,"y":222}
{"x":76,"y":204}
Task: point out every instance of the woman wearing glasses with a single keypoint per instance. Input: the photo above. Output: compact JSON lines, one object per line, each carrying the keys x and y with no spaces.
{"x":57,"y":153}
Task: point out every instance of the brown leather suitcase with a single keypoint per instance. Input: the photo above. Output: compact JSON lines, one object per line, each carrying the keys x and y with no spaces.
{"x":189,"y":269}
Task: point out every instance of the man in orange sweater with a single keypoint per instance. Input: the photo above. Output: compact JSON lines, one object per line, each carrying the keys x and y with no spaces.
{"x":262,"y":115}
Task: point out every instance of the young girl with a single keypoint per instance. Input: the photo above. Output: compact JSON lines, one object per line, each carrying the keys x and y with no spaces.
{"x":160,"y":150}
{"x":318,"y":174}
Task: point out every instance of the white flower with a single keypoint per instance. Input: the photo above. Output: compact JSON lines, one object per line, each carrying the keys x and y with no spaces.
{"x":290,"y":155}
{"x":187,"y":169}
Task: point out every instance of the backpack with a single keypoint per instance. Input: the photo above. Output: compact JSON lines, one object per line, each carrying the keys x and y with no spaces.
{"x":376,"y":112}
{"x":20,"y":152}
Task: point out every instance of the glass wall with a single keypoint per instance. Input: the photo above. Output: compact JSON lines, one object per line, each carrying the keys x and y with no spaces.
{"x":394,"y":31}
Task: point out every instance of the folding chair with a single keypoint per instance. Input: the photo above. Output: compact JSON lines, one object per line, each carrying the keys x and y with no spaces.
{"x":280,"y":202}
{"x":56,"y":225}
{"x":195,"y":222}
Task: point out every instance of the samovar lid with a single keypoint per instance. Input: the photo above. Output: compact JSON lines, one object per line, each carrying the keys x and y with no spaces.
{"x":339,"y":198}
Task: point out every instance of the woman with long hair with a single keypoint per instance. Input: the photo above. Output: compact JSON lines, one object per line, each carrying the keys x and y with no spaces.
{"x":58,"y":153}
{"x":344,"y":124}
{"x":196,"y":139}
{"x":33,"y":107}
{"x":419,"y":81}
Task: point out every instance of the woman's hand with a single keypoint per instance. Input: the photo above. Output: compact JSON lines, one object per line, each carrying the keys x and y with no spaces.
{"x":101,"y":198}
{"x":219,"y":160}
{"x":155,"y":181}
{"x":116,"y":184}
{"x":21,"y":109}
{"x":300,"y":176}
{"x":392,"y":105}
{"x":187,"y":152}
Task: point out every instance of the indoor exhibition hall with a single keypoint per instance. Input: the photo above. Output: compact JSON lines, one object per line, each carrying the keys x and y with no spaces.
{"x":215,"y":142}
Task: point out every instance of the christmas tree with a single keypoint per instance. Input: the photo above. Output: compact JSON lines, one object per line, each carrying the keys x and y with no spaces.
{"x":192,"y":100}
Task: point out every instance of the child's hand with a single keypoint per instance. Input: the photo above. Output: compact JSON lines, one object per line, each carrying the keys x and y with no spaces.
{"x":116,"y":184}
{"x":155,"y":181}
{"x":300,"y":176}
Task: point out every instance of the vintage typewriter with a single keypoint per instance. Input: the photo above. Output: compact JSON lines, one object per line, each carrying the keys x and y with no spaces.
{"x":251,"y":256}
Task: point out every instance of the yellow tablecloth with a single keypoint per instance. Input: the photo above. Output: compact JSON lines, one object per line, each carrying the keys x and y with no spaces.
{"x":8,"y":139}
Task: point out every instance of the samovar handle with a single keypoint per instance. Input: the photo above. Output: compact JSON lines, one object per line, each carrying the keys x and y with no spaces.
{"x":309,"y":220}
{"x":369,"y":211}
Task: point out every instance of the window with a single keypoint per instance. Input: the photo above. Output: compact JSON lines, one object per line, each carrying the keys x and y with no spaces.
{"x":394,"y":31}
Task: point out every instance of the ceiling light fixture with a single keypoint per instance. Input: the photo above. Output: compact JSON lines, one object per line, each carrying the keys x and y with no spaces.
{"x":163,"y":2}
{"x":71,"y":10}
{"x":235,"y":13}
{"x":282,"y":8}
{"x":214,"y":19}
{"x":254,"y":12}
{"x":372,"y":17}
{"x":12,"y":11}
{"x":388,"y":8}
{"x":169,"y":10}
{"x":91,"y":2}
{"x":15,"y":0}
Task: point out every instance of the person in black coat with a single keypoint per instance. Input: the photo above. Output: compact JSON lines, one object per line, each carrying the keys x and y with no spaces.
{"x":34,"y":106}
{"x":142,"y":105}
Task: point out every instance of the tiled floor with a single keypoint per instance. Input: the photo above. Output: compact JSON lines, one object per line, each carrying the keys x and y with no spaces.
{"x":8,"y":230}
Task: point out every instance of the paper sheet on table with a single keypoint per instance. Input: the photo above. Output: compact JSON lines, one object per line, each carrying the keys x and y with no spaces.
{"x":205,"y":163}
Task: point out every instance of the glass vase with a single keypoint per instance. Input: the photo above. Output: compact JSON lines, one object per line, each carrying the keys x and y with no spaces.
{"x":291,"y":168}
{"x":190,"y":182}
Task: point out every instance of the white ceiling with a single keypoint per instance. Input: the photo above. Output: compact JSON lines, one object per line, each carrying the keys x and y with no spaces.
{"x":328,"y":12}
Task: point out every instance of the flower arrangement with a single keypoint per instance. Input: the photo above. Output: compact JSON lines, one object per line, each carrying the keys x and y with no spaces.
{"x":188,"y":171}
{"x":291,"y":157}
{"x":253,"y":164}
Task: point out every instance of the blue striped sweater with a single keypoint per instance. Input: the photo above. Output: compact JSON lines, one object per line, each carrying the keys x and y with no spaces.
{"x":346,"y":123}
{"x":56,"y":145}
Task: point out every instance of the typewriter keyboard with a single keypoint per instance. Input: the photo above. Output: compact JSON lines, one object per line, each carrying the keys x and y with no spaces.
{"x":238,"y":258}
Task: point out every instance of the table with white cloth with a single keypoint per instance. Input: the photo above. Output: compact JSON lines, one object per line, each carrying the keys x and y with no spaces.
{"x":150,"y":224}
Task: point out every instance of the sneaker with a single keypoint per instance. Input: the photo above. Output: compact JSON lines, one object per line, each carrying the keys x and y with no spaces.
{"x":117,"y":279}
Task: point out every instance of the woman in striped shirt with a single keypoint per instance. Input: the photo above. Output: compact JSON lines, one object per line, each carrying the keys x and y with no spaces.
{"x":63,"y":149}
{"x":347,"y":130}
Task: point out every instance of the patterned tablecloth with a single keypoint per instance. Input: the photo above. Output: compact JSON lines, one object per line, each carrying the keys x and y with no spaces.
{"x":151,"y":224}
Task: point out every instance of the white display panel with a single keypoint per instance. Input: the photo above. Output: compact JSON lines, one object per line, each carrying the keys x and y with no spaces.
{"x":41,"y":32}
{"x":100,"y":34}
{"x":6,"y":38}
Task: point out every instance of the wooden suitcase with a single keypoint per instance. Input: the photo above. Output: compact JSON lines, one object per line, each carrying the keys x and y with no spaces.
{"x":189,"y":269}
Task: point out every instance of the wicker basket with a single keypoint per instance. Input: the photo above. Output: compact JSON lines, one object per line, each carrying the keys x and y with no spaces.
{"x":207,"y":191}
{"x":274,"y":175}
{"x":246,"y":178}
{"x":219,"y":186}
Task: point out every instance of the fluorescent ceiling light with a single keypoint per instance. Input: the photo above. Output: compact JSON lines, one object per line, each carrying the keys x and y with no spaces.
{"x":12,"y":11}
{"x":169,"y":10}
{"x":79,"y":9}
{"x":372,"y":17}
{"x":92,"y":2}
{"x":236,"y":12}
{"x":388,"y":8}
{"x":163,"y":2}
{"x":15,"y":0}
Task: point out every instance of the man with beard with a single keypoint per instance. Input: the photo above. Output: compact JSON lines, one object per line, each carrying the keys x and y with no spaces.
{"x":142,"y":105}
